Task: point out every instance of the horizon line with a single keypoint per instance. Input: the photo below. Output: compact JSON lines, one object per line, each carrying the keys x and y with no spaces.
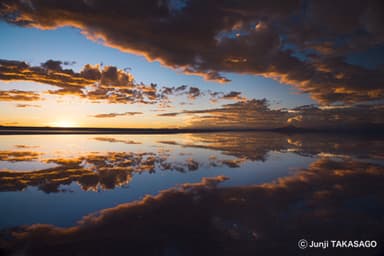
{"x":9,"y":130}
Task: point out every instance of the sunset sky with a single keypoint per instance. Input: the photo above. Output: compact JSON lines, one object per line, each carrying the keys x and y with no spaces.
{"x":166,"y":64}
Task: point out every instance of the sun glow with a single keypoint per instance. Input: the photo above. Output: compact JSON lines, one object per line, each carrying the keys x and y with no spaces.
{"x":64,"y":123}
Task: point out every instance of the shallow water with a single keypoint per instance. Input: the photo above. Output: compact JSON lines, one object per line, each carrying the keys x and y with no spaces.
{"x":238,"y":186}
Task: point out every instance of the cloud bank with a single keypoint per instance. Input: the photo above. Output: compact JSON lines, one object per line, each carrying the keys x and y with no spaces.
{"x":97,"y":84}
{"x":92,"y":82}
{"x":257,"y":114}
{"x":301,"y":43}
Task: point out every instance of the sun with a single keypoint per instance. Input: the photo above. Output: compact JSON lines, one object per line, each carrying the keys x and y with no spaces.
{"x":64,"y":123}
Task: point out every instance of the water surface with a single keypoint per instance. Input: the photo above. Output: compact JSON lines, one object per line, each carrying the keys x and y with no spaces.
{"x":257,"y":189}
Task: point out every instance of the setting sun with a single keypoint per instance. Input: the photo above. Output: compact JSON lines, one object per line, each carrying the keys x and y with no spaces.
{"x":64,"y":123}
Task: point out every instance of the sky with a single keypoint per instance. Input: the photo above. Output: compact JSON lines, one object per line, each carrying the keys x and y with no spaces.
{"x":199,"y":64}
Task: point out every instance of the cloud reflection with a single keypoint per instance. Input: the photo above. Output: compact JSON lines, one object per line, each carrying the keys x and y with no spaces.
{"x":319,"y":202}
{"x":95,"y":171}
{"x":92,"y":172}
{"x":255,"y":146}
{"x":18,"y":156}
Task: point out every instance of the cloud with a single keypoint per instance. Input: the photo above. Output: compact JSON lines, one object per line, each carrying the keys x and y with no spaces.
{"x":169,"y":114}
{"x":49,"y":72}
{"x":92,"y":82}
{"x":11,"y":123}
{"x":112,"y":115}
{"x":25,"y":146}
{"x":232,"y":95}
{"x":256,"y":114}
{"x":293,"y":43}
{"x":27,"y":106}
{"x":191,"y":92}
{"x":194,"y":92}
{"x":247,"y":114}
{"x":53,"y":65}
{"x":17,"y":95}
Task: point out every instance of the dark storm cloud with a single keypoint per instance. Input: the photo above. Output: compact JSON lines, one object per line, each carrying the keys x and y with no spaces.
{"x":203,"y":219}
{"x":112,"y":115}
{"x":18,"y":95}
{"x":301,"y":43}
{"x":330,"y":21}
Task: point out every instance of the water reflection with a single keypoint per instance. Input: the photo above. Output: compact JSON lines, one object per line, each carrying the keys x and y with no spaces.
{"x":16,"y":156}
{"x":96,"y":171}
{"x":92,"y":172}
{"x":320,"y":202}
{"x":196,"y":194}
{"x":255,"y":146}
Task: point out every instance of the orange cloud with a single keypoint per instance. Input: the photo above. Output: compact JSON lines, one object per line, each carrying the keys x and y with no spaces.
{"x":107,"y":84}
{"x":111,"y":115}
{"x":27,"y":106}
{"x":17,"y":95}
